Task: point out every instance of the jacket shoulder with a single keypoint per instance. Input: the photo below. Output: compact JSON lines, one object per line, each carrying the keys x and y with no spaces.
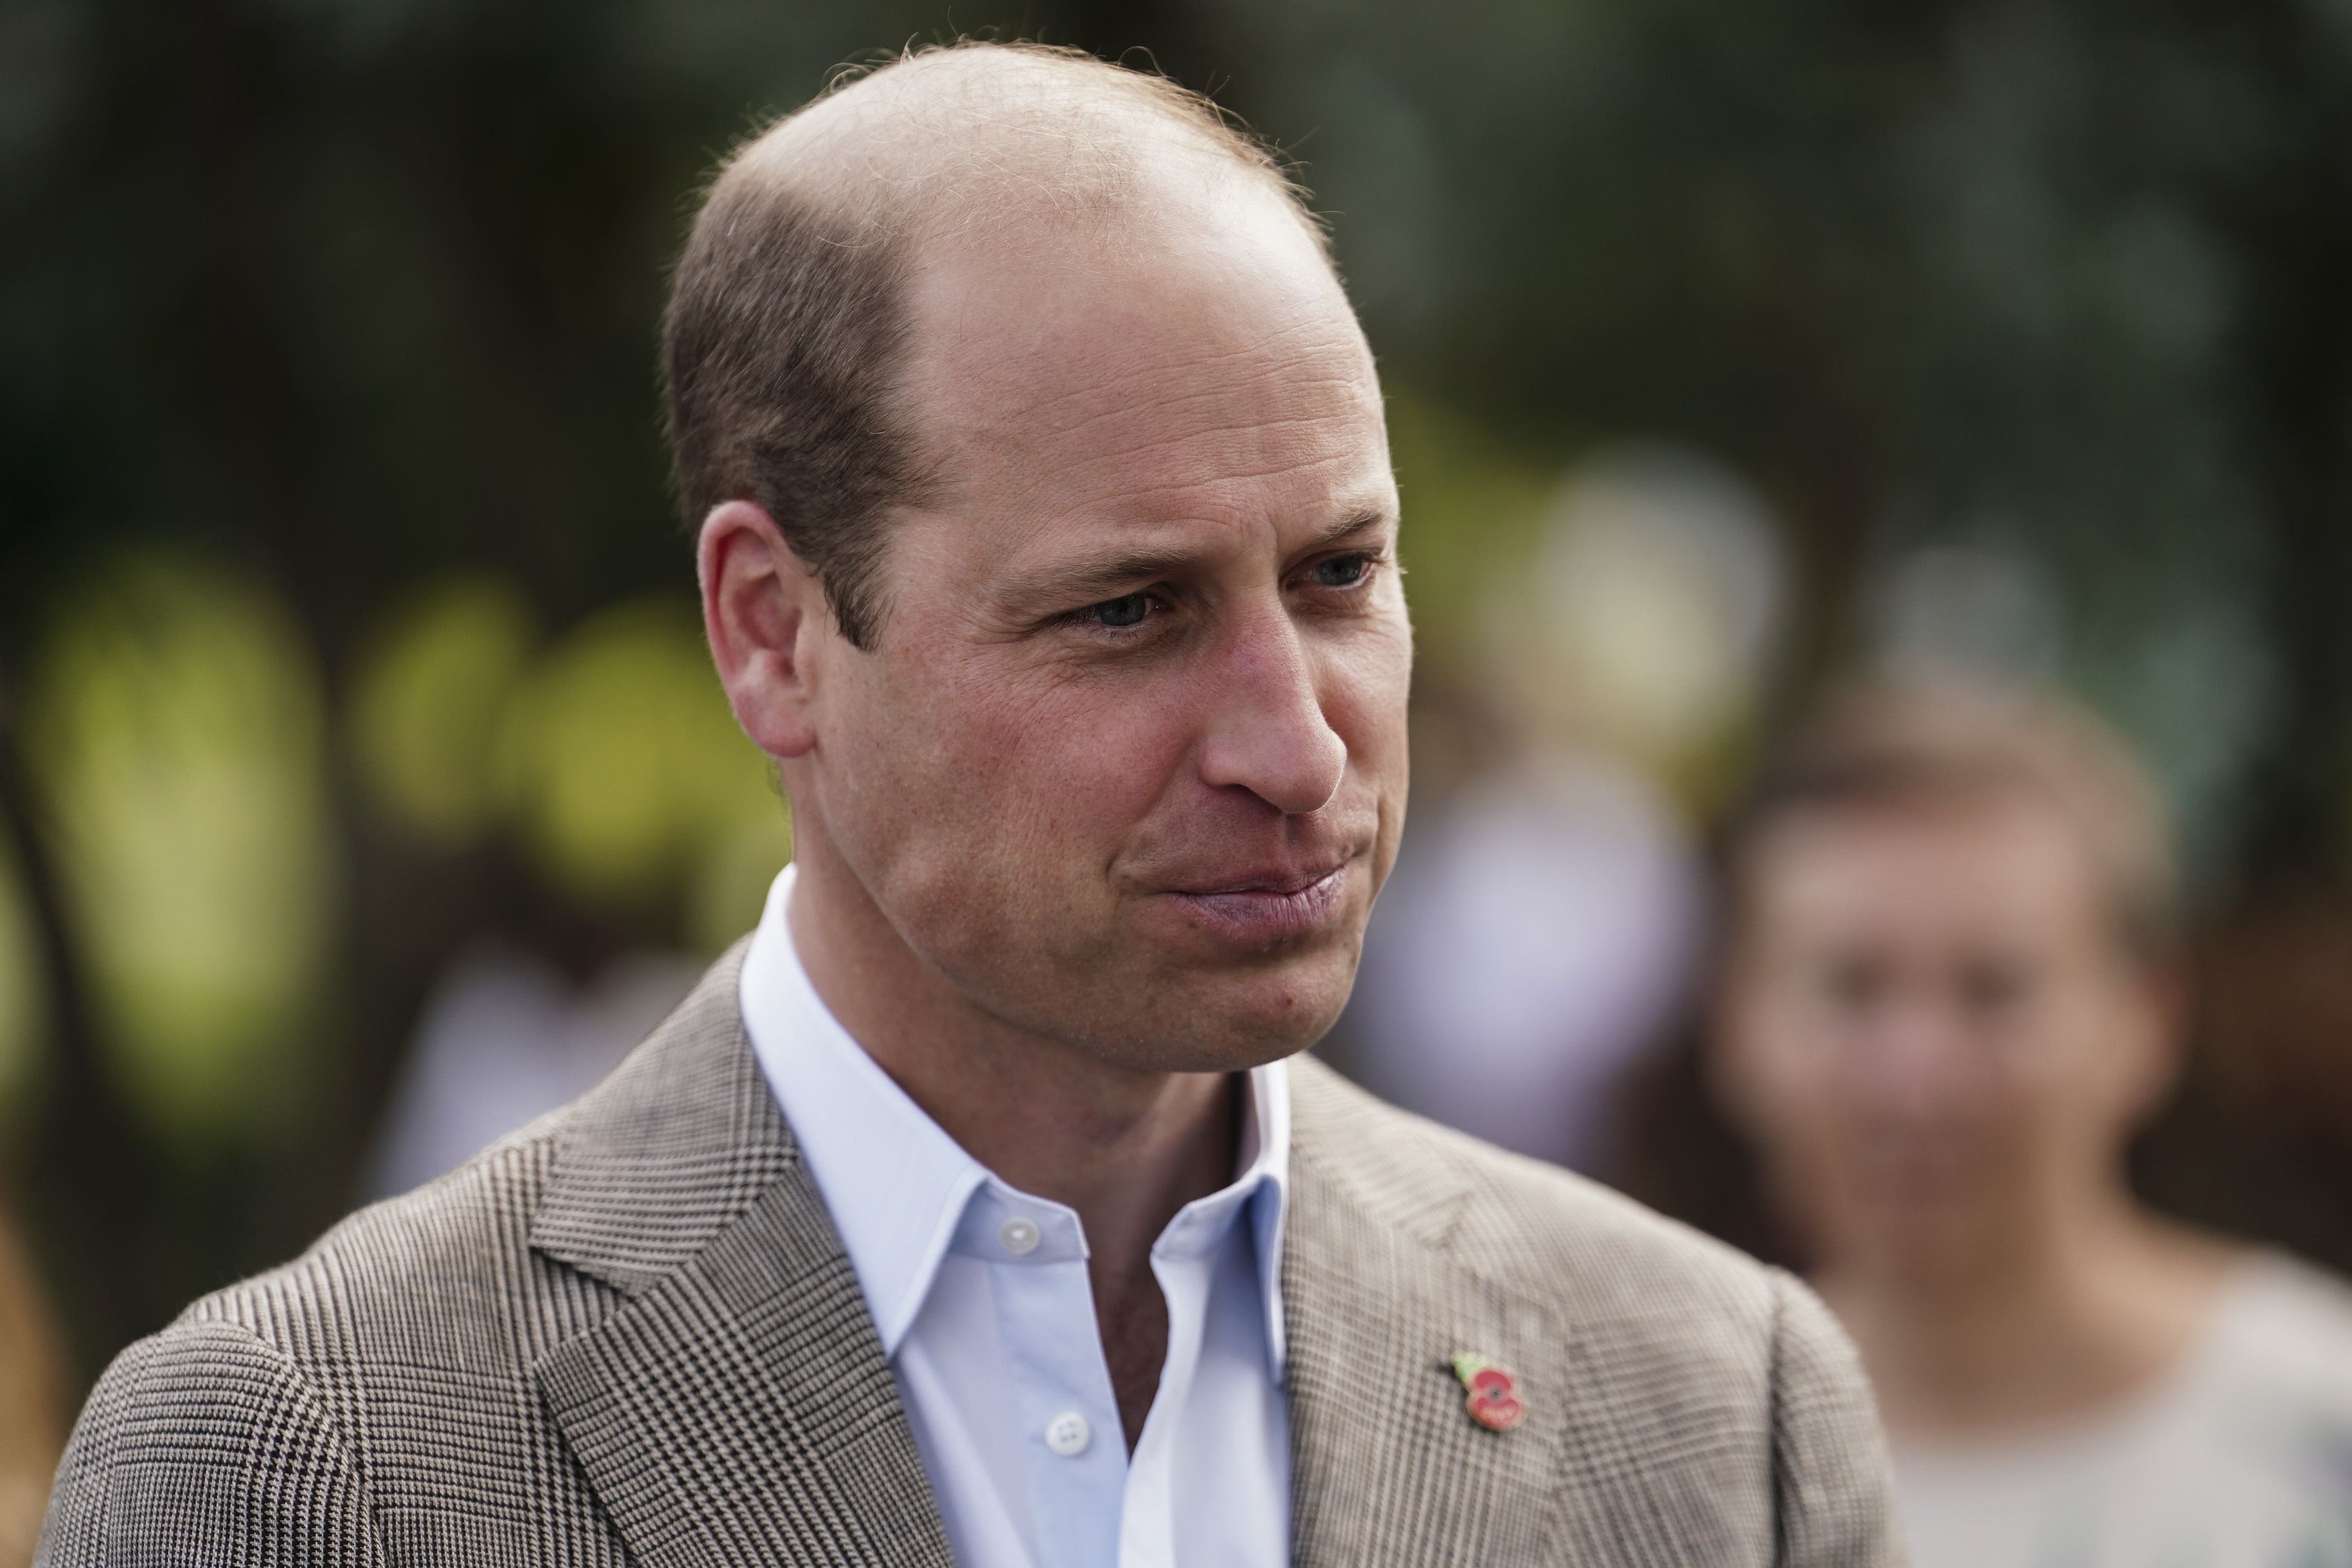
{"x":1518,"y":1221}
{"x":187,"y":1451}
{"x":658,"y":1155}
{"x":302,"y":1415}
{"x":443,"y":1259}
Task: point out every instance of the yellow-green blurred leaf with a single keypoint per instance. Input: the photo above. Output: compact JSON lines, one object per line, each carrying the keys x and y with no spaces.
{"x":174,"y":730}
{"x":1471,"y":505}
{"x":623,"y":760}
{"x":430,"y":700}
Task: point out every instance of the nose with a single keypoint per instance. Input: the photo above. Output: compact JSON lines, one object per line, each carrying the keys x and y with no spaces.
{"x":1913,"y":1066}
{"x":1267,"y":731}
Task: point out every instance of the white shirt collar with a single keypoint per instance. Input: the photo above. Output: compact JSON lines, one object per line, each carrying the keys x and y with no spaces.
{"x":899,"y":1188}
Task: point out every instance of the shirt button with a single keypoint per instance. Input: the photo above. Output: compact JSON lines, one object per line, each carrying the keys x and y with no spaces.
{"x":1020,"y":1239}
{"x":1067,"y":1433}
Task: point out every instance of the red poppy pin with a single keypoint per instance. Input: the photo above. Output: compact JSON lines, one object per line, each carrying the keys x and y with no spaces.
{"x":1493,"y":1396}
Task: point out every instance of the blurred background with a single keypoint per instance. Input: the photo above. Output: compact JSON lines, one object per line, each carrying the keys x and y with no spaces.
{"x":366,"y":790}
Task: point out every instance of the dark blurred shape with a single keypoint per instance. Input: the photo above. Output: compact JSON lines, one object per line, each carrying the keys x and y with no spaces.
{"x":2260,"y":1139}
{"x":32,"y":1400}
{"x":25,"y":1010}
{"x":1949,"y":994}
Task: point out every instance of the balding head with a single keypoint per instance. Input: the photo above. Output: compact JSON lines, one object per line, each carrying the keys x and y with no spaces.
{"x":789,"y":322}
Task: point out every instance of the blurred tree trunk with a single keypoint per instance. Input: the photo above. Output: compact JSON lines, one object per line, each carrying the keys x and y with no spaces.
{"x":2296,"y":223}
{"x":96,"y":1173}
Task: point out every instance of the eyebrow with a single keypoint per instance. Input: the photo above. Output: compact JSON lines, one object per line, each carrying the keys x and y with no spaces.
{"x":1086,"y":580}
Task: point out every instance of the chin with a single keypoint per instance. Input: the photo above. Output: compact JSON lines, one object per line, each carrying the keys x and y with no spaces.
{"x":1923,"y":1239}
{"x":1270,"y":1016}
{"x":1234,"y":1021}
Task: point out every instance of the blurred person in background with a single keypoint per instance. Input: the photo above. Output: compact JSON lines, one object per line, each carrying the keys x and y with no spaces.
{"x":1546,"y":921}
{"x":1949,"y":998}
{"x":507,"y":1036}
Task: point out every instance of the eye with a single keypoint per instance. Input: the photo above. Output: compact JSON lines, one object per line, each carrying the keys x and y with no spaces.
{"x":1852,"y":983}
{"x":1341,"y":571}
{"x":1993,"y":990}
{"x":1127,"y":610}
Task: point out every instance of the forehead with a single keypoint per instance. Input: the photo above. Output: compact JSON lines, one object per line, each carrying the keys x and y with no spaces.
{"x":1200,"y":361}
{"x":2001,"y":865}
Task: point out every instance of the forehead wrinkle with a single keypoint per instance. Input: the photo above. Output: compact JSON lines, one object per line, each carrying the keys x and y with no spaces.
{"x":1136,"y":391}
{"x":1135,"y":453}
{"x":1115,"y":391}
{"x":1208,"y":429}
{"x":1147,"y":440}
{"x":1189,"y":502}
{"x":1097,"y":386}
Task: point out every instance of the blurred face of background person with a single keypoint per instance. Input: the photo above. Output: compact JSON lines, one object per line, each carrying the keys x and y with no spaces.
{"x":1936,"y":1029}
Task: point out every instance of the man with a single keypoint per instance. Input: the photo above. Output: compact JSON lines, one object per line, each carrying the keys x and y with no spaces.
{"x":1950,"y":1000}
{"x":971,"y":1212}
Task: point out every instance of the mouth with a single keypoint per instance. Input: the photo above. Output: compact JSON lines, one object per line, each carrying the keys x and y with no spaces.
{"x":1269,"y":908}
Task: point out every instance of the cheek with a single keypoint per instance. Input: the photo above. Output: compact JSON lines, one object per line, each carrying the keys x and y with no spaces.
{"x":1776,"y":1072}
{"x":1365,"y":688}
{"x":1012,"y":776}
{"x":2093,"y":1076}
{"x":1370,"y":676}
{"x":1083,"y":759}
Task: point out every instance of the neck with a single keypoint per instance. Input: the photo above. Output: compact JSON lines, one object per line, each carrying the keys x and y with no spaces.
{"x":1125,"y":1147}
{"x":2068,"y":1314}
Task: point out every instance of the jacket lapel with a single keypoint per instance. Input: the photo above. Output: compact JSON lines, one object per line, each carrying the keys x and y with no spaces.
{"x":1387,"y":1466}
{"x":737,"y":1406}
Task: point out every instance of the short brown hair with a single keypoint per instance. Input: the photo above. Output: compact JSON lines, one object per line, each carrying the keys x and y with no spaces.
{"x":786,"y":329}
{"x":1914,"y":739}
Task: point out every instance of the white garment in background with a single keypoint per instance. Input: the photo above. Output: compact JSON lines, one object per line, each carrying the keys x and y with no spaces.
{"x":504,"y":1038}
{"x":980,"y":1294}
{"x":2241,"y":1458}
{"x":1536,"y":936}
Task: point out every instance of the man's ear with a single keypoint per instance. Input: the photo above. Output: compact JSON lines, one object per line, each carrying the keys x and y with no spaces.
{"x":765,"y":612}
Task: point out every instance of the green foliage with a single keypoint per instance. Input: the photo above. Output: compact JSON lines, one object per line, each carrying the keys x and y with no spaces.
{"x":623,"y":761}
{"x":430,"y":704}
{"x":175,"y":731}
{"x":1471,"y":506}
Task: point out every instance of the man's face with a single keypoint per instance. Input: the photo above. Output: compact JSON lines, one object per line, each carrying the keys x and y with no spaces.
{"x":1931,"y":1029}
{"x":1125,"y":764}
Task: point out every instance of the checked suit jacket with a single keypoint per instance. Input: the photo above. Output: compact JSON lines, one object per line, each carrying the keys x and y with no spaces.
{"x":629,"y":1334}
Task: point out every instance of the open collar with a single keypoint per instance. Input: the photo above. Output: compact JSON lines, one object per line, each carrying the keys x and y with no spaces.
{"x":733,"y":1402}
{"x":897,"y":1186}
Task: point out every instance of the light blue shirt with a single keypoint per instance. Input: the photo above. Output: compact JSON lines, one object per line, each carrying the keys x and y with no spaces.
{"x":980,"y":1294}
